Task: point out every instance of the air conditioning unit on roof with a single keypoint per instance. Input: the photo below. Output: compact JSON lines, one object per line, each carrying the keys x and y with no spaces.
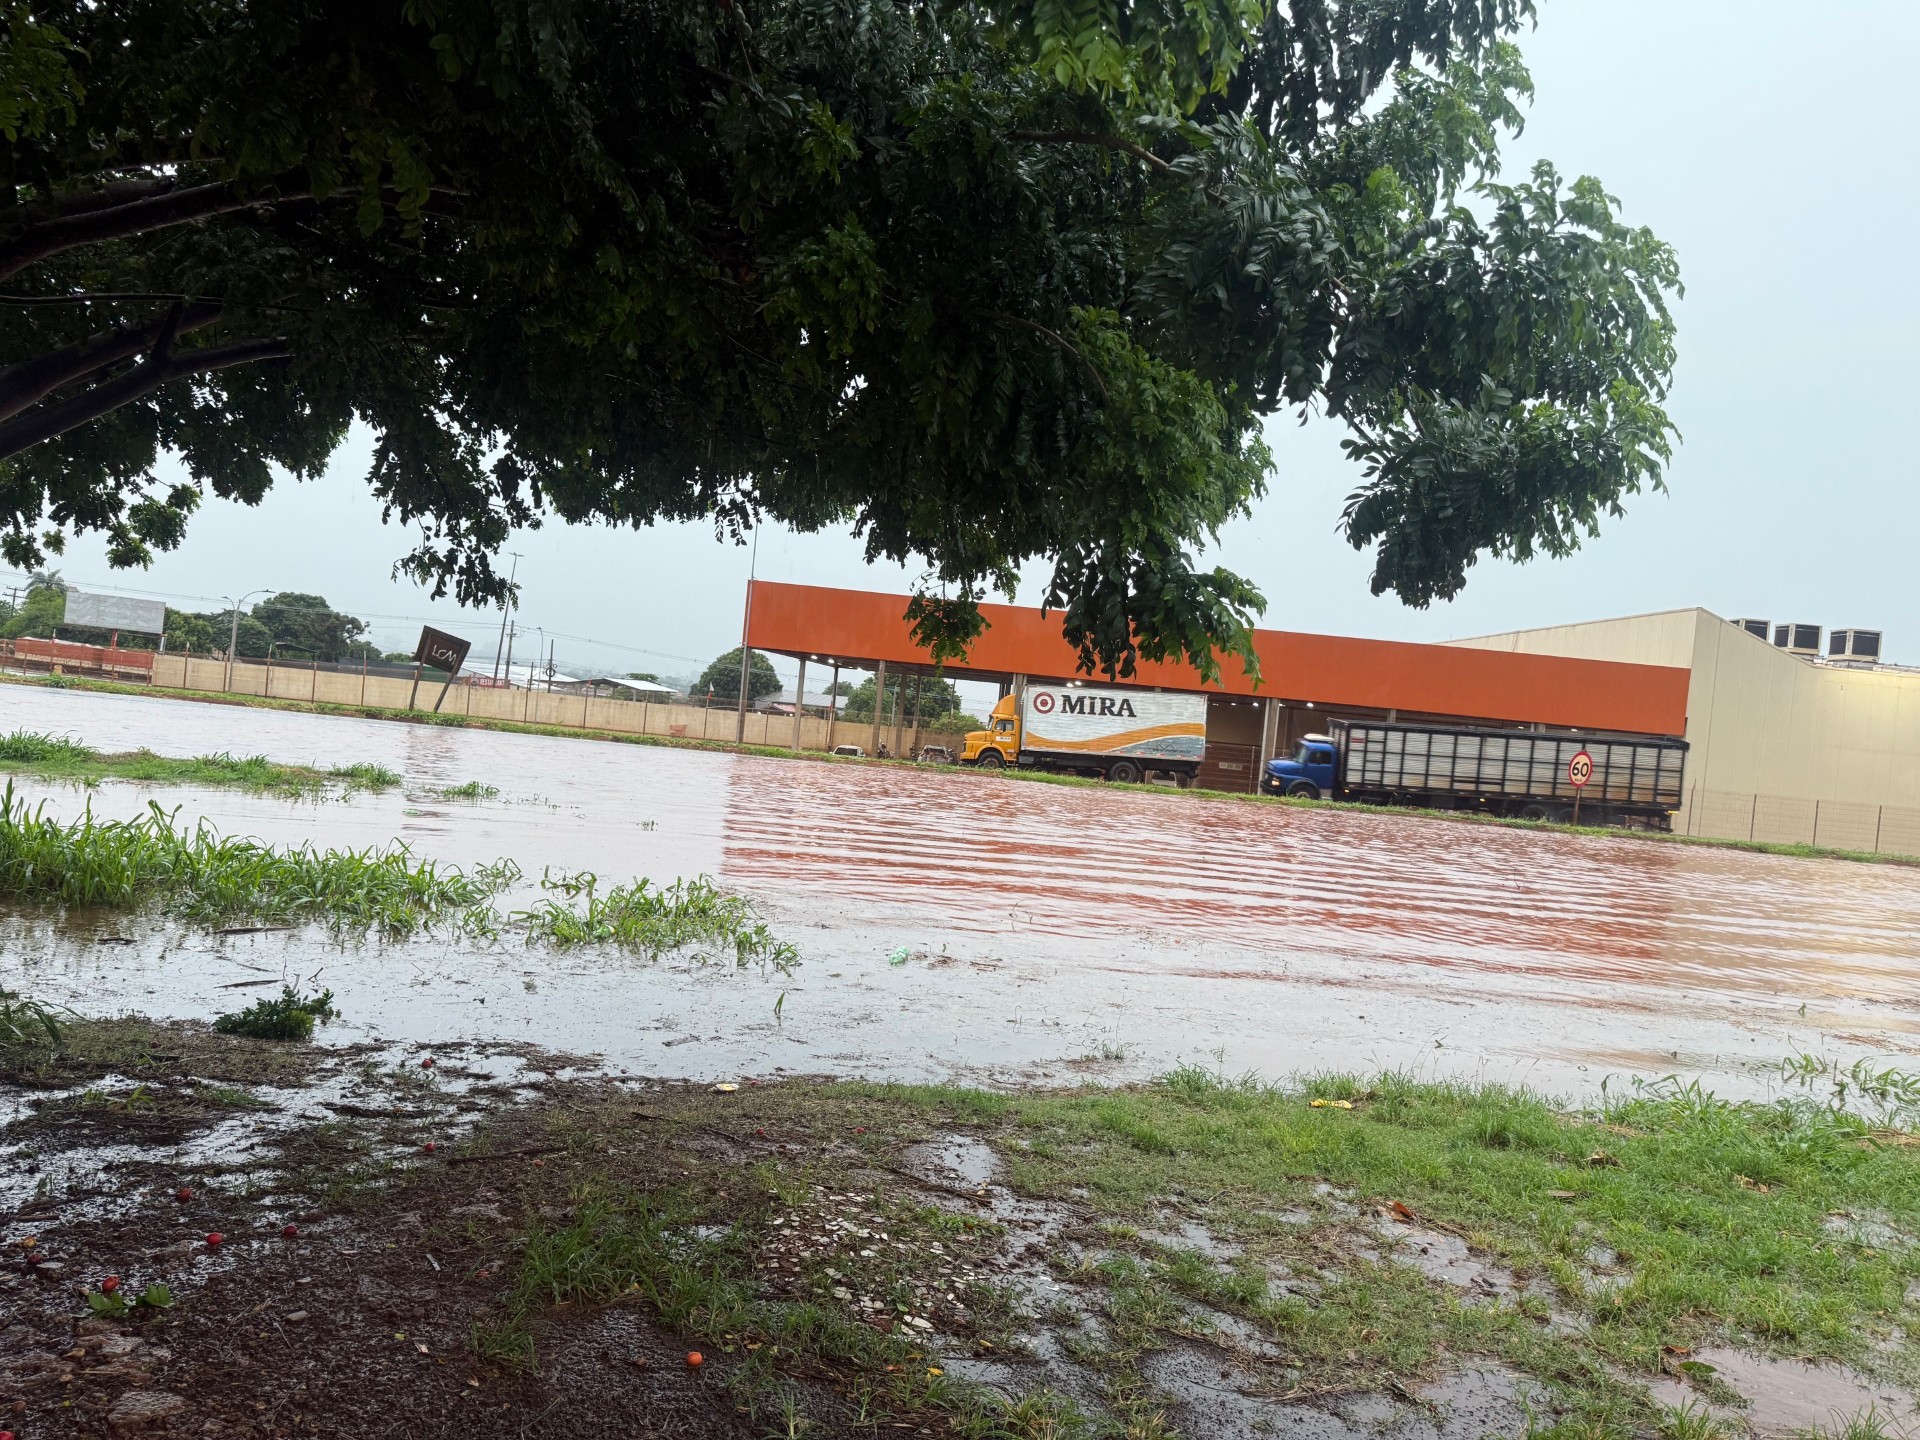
{"x":1863,"y":645}
{"x":1758,"y":628}
{"x":1797,"y":639}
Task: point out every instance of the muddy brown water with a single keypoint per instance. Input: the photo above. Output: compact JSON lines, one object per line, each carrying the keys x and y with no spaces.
{"x":1051,"y":932}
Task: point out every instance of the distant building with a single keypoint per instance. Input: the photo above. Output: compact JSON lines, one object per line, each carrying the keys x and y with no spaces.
{"x":781,"y":702}
{"x":617,"y":687}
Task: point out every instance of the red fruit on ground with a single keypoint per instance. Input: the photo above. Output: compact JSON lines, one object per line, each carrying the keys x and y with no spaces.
{"x":760,"y":1134}
{"x":695,"y":1359}
{"x":183,"y":1194}
{"x":110,"y":1284}
{"x":427,"y":1064}
{"x":290,"y":1231}
{"x":428,"y":1147}
{"x":214,"y":1237}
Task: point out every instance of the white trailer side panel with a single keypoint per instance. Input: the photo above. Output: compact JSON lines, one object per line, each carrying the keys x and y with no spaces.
{"x":1080,"y":719}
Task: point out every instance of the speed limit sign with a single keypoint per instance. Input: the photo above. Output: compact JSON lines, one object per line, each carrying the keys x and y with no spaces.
{"x":1580,"y":770}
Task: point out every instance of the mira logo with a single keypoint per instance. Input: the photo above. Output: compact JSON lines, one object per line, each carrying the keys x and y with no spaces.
{"x":1068,"y":703}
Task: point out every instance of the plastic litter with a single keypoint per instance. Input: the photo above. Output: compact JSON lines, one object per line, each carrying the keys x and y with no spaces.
{"x":898,"y":957}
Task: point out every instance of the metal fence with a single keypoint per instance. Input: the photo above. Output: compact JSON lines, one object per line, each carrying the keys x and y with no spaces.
{"x":1789,"y":820}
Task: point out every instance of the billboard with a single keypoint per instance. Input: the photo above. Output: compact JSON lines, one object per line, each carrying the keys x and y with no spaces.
{"x":116,"y":612}
{"x":441,"y":651}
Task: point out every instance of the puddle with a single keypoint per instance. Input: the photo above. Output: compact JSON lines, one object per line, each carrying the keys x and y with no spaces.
{"x":1445,"y":1258}
{"x":955,"y":1160}
{"x":1787,"y":1397}
{"x":1209,"y":1400}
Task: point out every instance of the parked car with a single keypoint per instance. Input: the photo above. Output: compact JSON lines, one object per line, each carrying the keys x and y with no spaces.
{"x":853,"y":750}
{"x":936,"y":755}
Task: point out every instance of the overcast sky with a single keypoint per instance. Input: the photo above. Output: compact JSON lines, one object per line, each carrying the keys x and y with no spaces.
{"x":1771,"y":143}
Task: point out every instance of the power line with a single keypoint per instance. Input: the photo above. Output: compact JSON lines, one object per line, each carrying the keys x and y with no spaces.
{"x":595,"y":641}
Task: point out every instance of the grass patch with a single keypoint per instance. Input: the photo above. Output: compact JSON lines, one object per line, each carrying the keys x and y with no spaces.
{"x":60,"y":757}
{"x":27,"y":1025}
{"x":288,"y":1016}
{"x":204,"y":876}
{"x":651,"y":919}
{"x":468,"y":790}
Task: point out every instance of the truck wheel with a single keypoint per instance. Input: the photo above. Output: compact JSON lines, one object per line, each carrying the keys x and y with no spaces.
{"x":1304,"y":790}
{"x":1124,"y":772}
{"x":1184,"y":779}
{"x":1536,"y":812}
{"x":991,"y":760}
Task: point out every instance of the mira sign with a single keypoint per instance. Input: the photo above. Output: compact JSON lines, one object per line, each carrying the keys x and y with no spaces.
{"x":1069,"y":702}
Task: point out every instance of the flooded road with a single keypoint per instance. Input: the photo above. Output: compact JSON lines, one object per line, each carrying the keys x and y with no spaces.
{"x":1051,"y":931}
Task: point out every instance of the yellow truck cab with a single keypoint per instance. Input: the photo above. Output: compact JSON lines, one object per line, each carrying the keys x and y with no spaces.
{"x":998,"y":745}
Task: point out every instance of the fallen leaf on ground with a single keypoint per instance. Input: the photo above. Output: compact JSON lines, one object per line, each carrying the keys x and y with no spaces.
{"x":1330,"y":1104}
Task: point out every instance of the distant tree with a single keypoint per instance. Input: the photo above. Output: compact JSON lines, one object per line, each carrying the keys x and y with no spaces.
{"x":192,"y":633}
{"x":936,"y":697}
{"x":646,"y":675}
{"x":404,"y":656}
{"x":308,"y":626}
{"x":47,"y":580}
{"x":40,"y":609}
{"x":723,"y":675}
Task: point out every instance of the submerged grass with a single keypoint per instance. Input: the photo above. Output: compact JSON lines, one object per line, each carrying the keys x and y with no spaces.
{"x":204,"y":876}
{"x":61,"y":757}
{"x":651,"y":919}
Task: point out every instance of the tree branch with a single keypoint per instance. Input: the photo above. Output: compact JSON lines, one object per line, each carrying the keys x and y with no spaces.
{"x":142,"y":380}
{"x":31,"y":381}
{"x":1092,"y":137}
{"x":1055,"y":338}
{"x":134,"y":217}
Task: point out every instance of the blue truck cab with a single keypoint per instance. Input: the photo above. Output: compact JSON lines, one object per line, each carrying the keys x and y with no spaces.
{"x":1308,"y":772}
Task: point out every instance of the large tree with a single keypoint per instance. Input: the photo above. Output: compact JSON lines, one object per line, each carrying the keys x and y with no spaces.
{"x":990,"y":281}
{"x":721,"y":679}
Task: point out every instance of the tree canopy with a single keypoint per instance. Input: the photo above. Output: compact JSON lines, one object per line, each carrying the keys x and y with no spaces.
{"x":934,"y":701}
{"x":990,"y":281}
{"x":721,"y":679}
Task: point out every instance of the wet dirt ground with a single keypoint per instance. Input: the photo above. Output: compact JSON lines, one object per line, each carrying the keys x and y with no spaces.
{"x":1049,"y":932}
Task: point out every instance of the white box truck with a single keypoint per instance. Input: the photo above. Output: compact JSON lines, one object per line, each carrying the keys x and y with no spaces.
{"x":1116,"y":733}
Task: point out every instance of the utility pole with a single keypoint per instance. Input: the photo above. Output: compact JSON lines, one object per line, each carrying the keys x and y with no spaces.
{"x":506,"y":604}
{"x":746,"y":655}
{"x":233,"y":640}
{"x":512,"y":631}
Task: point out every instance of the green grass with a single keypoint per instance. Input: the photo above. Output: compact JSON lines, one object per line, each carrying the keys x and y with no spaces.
{"x":1719,"y":1212}
{"x":204,"y":876}
{"x":468,"y":790}
{"x":288,"y":1016}
{"x":651,"y":919}
{"x":1664,"y":1217}
{"x":28,"y":1025}
{"x":59,"y":757}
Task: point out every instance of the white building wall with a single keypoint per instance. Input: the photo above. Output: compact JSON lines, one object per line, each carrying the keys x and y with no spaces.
{"x":1779,"y":748}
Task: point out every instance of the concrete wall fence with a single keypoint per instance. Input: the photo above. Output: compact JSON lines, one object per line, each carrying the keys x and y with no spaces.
{"x":531,"y":707}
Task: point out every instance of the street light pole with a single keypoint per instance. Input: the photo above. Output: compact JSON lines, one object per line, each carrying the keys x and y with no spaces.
{"x":746,"y":655}
{"x":233,"y":639}
{"x":505,"y":605}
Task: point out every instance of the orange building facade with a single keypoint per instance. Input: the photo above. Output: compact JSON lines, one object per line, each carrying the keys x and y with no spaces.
{"x":1303,"y":677}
